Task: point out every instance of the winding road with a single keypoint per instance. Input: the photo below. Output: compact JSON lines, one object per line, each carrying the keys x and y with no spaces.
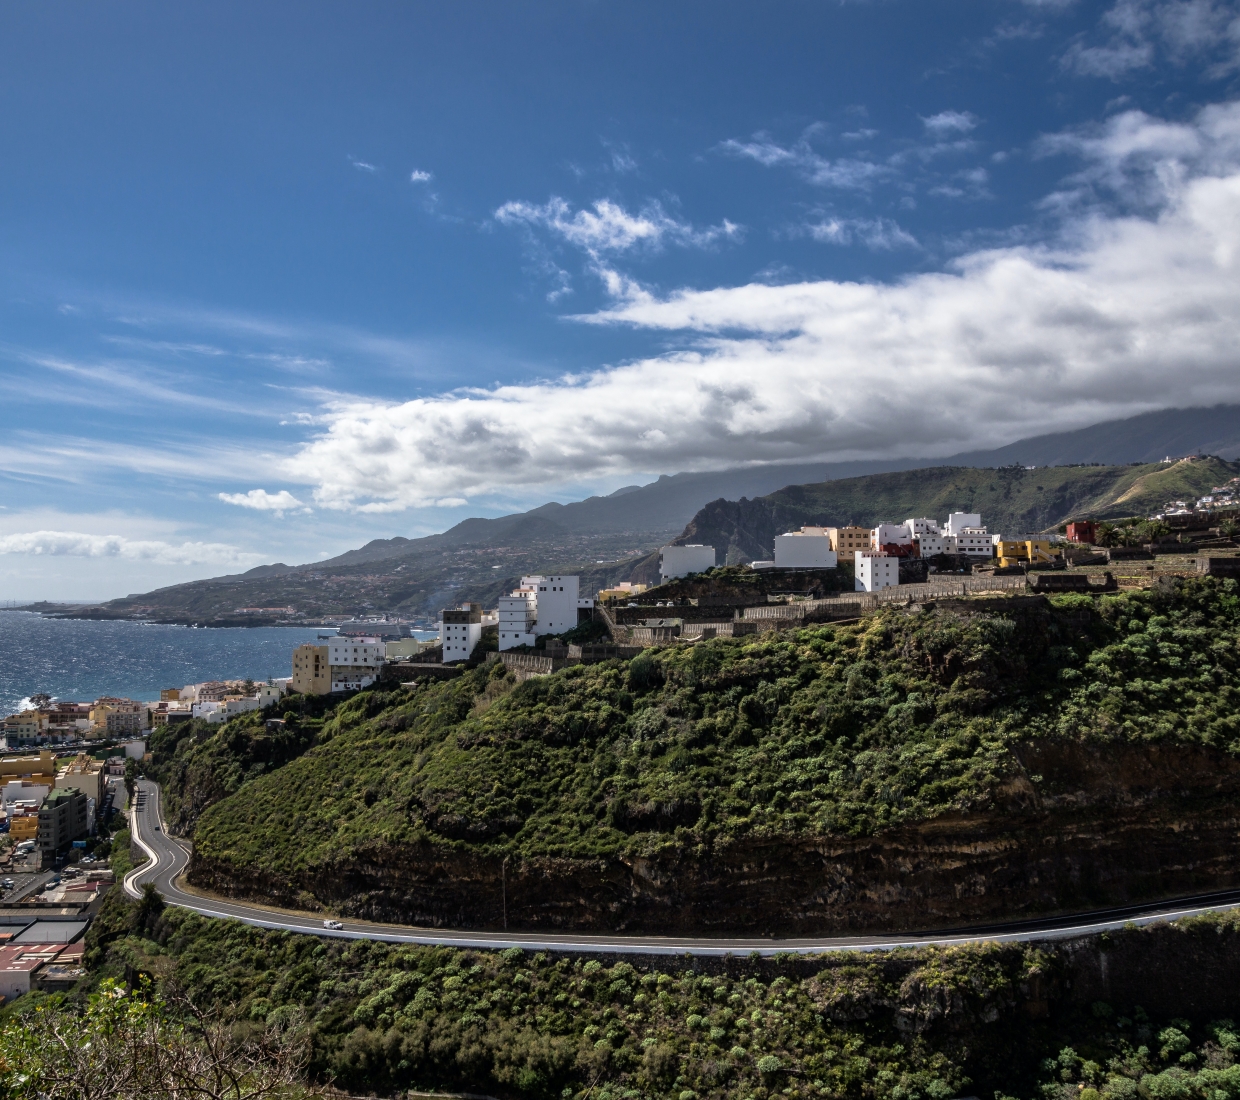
{"x":166,"y":860}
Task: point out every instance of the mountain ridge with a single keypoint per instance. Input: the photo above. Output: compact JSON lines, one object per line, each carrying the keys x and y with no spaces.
{"x":612,"y":538}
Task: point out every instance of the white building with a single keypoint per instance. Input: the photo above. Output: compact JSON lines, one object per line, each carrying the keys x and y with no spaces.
{"x":272,"y":692}
{"x":518,"y":613}
{"x":923,"y":526}
{"x":874,"y":570}
{"x":354,"y":663}
{"x":932,"y":543}
{"x":680,"y":561}
{"x":542,"y":605}
{"x":886,"y":534}
{"x":808,"y":548}
{"x":958,"y":521}
{"x":23,"y":790}
{"x":460,"y":629}
{"x":221,"y":710}
{"x":975,"y":542}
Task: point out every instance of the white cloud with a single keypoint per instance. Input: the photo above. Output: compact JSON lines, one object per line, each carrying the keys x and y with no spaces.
{"x":361,"y":165}
{"x":1141,"y":161}
{"x":1129,"y":313}
{"x":946,"y":123}
{"x":1185,"y":32}
{"x":79,"y":544}
{"x":418,"y":176}
{"x":880,"y":234}
{"x":609,"y":228}
{"x":847,"y":173}
{"x":263,"y":501}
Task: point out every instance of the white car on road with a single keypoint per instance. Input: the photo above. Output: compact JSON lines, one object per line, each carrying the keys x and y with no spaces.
{"x":334,"y":925}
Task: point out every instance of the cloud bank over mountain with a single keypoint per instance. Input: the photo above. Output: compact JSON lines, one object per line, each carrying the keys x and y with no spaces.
{"x":1129,"y":306}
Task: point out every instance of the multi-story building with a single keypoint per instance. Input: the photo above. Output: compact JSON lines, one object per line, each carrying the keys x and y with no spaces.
{"x":27,"y":727}
{"x":67,"y":721}
{"x":680,"y":561}
{"x":846,"y":541}
{"x":1083,"y":530}
{"x":63,"y":818}
{"x":931,"y":544}
{"x":111,"y":716}
{"x":808,"y":548}
{"x":84,"y":774}
{"x":518,"y":614}
{"x":875,"y":569}
{"x":24,"y":822}
{"x":975,"y":542}
{"x":460,"y":630}
{"x":542,"y":605}
{"x":958,"y":521}
{"x":38,"y":769}
{"x":923,"y":526}
{"x":1027,"y":552}
{"x":892,"y":538}
{"x":340,"y":664}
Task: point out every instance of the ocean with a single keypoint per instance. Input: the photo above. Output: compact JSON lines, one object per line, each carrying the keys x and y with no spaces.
{"x":81,"y":660}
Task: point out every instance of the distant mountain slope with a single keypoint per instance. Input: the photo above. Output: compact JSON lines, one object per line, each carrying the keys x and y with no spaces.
{"x":653,"y":512}
{"x":604,"y":538}
{"x":1012,"y":500}
{"x":1149,"y":437}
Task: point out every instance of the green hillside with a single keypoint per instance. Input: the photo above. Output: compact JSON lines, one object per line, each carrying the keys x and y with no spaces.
{"x":685,"y":753}
{"x":1010,"y":499}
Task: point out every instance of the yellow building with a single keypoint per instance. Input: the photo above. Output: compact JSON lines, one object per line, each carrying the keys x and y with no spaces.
{"x":1028,"y":552}
{"x":624,"y":591}
{"x":110,"y":716}
{"x":84,"y":774}
{"x":312,"y":675}
{"x":24,"y":727}
{"x":23,"y":826}
{"x":38,"y":769}
{"x":846,"y":541}
{"x":169,"y":695}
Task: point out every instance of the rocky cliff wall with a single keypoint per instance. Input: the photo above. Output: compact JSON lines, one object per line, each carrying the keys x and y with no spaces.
{"x":1094,"y":831}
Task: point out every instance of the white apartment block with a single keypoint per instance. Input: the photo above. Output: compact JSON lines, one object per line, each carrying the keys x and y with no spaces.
{"x":355,"y":663}
{"x":808,"y":548}
{"x":542,"y":605}
{"x":680,"y":561}
{"x":932,"y":543}
{"x":888,"y":533}
{"x":460,"y":629}
{"x":518,"y":613}
{"x":975,"y":542}
{"x":874,"y":570}
{"x":923,"y":526}
{"x":958,"y":521}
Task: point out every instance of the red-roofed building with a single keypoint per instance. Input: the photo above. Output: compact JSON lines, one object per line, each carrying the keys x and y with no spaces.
{"x":1083,"y":530}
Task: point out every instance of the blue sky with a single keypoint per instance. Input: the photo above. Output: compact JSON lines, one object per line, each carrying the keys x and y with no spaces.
{"x":277,"y":279}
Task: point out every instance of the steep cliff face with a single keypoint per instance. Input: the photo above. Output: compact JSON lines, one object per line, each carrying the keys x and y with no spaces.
{"x":976,"y":761}
{"x":1122,"y":827}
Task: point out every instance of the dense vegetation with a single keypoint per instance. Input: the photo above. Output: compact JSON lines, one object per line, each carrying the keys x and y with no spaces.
{"x":1011,"y":500}
{"x":198,"y":763}
{"x":927,"y":1024}
{"x":841,"y":730}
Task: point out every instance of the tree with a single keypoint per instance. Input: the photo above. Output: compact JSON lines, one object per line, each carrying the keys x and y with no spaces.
{"x":131,"y":775}
{"x":1107,"y":535}
{"x":137,"y":1045}
{"x":150,"y":907}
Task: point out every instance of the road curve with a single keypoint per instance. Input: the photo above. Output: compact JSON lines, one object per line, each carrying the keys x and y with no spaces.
{"x":166,"y":860}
